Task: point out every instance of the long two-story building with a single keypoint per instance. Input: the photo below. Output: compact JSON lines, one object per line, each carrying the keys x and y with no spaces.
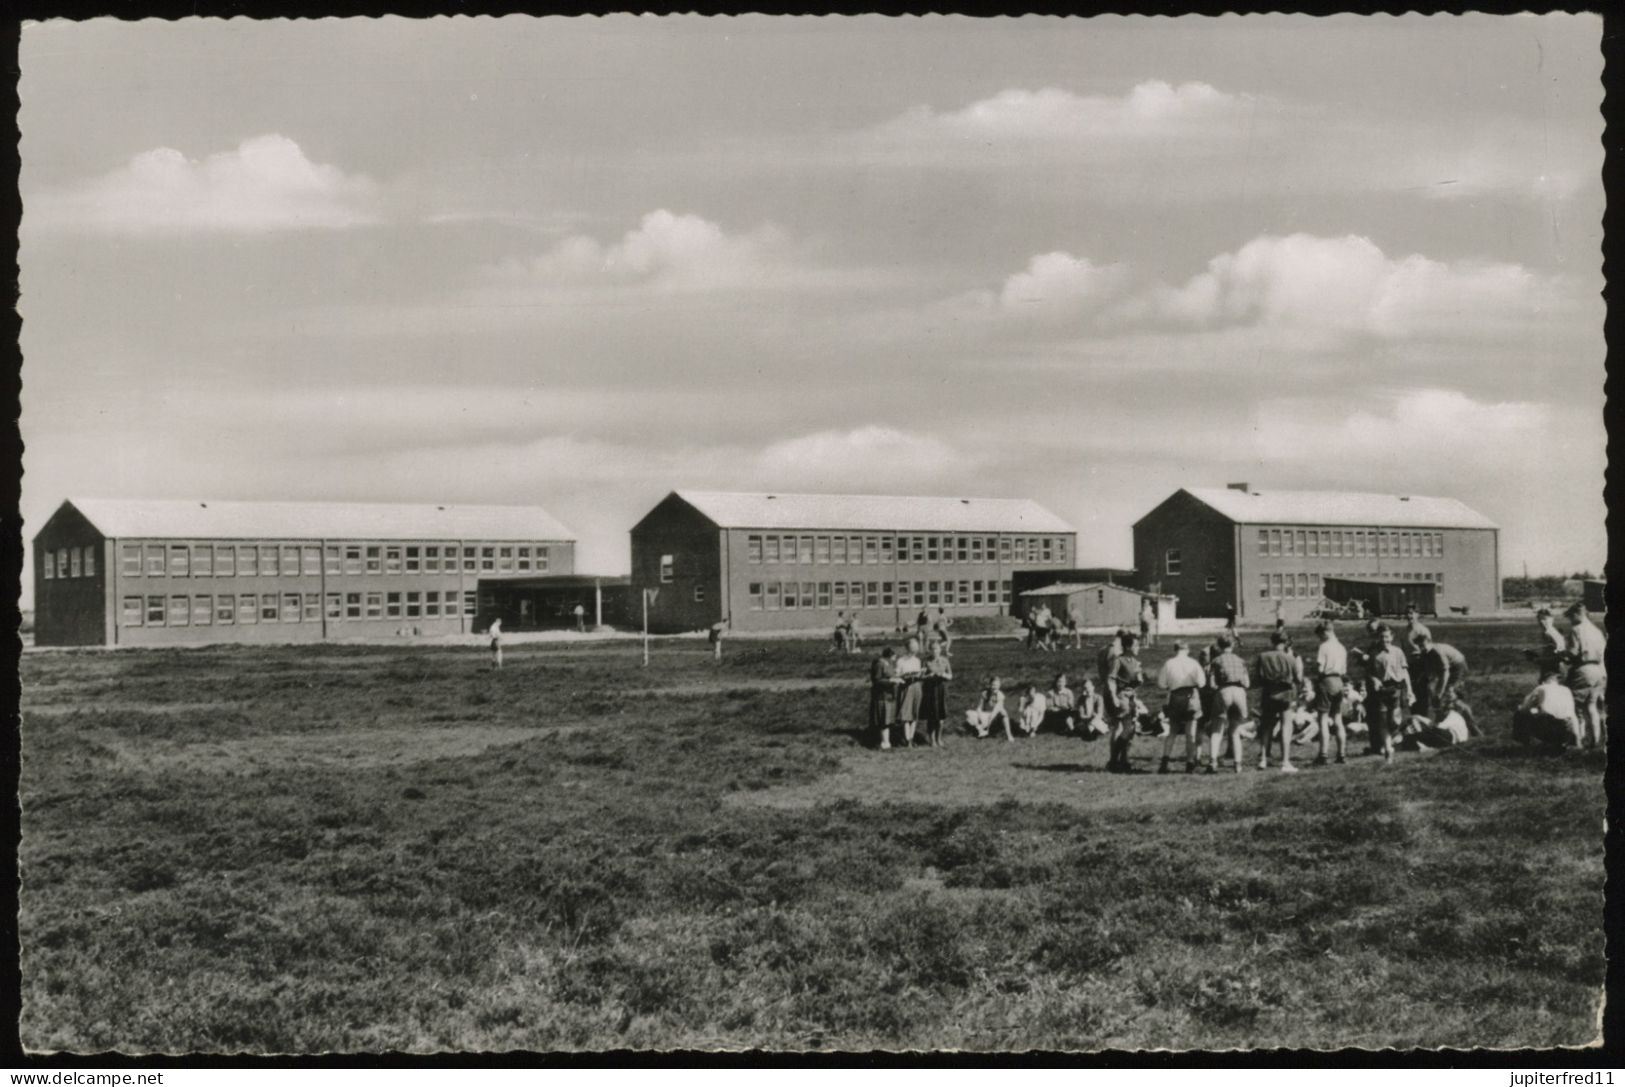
{"x":1212,"y":546}
{"x":135,"y":572}
{"x":792,"y":561}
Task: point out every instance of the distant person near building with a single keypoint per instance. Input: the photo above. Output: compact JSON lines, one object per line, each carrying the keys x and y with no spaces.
{"x":1148,"y":623}
{"x":1230,"y":618}
{"x":714,"y":636}
{"x":495,"y":632}
{"x":580,"y":613}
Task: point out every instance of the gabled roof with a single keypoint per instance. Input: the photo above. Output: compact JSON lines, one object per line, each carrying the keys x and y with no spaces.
{"x":1353,"y":508}
{"x":873,"y":512}
{"x":166,"y":519}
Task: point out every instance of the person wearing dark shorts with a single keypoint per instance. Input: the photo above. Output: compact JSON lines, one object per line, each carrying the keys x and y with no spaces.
{"x":1183,"y":678}
{"x":1228,"y":676}
{"x":1331,"y":671}
{"x":1280,"y":674}
{"x":1584,"y":652}
{"x":1122,"y":702}
{"x":1443,"y":671}
{"x":1388,"y":672}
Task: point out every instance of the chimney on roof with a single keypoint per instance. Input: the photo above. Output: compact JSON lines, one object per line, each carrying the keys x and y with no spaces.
{"x":1242,"y":487}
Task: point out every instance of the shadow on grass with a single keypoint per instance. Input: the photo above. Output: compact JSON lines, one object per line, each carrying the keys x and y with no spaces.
{"x":1060,"y":767}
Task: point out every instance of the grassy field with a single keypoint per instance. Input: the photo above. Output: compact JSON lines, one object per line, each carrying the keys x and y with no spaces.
{"x":347,"y":848}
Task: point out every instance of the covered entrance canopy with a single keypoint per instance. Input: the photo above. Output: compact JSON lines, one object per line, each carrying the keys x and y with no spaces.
{"x":548,"y":602}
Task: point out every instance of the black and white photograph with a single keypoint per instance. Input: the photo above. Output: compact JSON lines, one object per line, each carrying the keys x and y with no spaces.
{"x":812,"y":535}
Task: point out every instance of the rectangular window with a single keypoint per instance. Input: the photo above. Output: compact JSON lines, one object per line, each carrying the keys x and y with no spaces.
{"x":1263,"y":586}
{"x":808,"y":594}
{"x":267,"y":560}
{"x":268,"y":607}
{"x":772,"y":595}
{"x":1172,"y":562}
{"x":488,"y":560}
{"x":1291,"y":587}
{"x":887,"y":599}
{"x":48,"y":566}
{"x":963,"y":548}
{"x":1314,"y":585}
{"x":290,"y":560}
{"x":871,"y":551}
{"x":792,"y":596}
{"x":155,"y":611}
{"x":313,"y":607}
{"x":1020,"y":545}
{"x":839,"y":597}
{"x":1336,"y":545}
{"x":521,"y":559}
{"x":1004,"y":593}
{"x":225,"y":610}
{"x":699,"y":592}
{"x":1275,"y":586}
{"x":919,"y":592}
{"x":375,"y":560}
{"x":90,"y":562}
{"x":375,"y":605}
{"x":291,"y":608}
{"x":964,"y":592}
{"x":76,"y":562}
{"x":804,"y":550}
{"x":541,"y":560}
{"x":179,"y":611}
{"x":335,"y":606}
{"x":821,"y":549}
{"x":976,"y":549}
{"x":667,"y":564}
{"x":504,"y":560}
{"x":916,"y":548}
{"x":976,"y":591}
{"x":770,"y":549}
{"x":180,"y":560}
{"x":414,"y":605}
{"x":1303,"y":585}
{"x":823,"y":594}
{"x":352,"y":605}
{"x":871,"y":594}
{"x":392,"y":605}
{"x":933,"y":592}
{"x":132,"y":611}
{"x":1438,"y":545}
{"x":1384,"y":544}
{"x":155,"y":560}
{"x":392,"y":560}
{"x":431,"y":561}
{"x":352,"y":559}
{"x":470,"y":561}
{"x":431,"y":604}
{"x":837,"y":549}
{"x":1210,"y":584}
{"x":754,"y":595}
{"x":1275,"y":543}
{"x":1004,"y":549}
{"x":312,"y":560}
{"x":203,"y":560}
{"x":1314,"y":545}
{"x":886,"y":546}
{"x":1049,"y":550}
{"x":1303,"y":543}
{"x":130,"y":560}
{"x":248,"y":609}
{"x":62,"y":563}
{"x":753,"y":549}
{"x":202,"y":611}
{"x":330,"y":562}
{"x":932,"y":551}
{"x":469,"y":608}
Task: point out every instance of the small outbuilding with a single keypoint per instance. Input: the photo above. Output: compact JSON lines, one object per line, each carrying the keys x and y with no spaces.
{"x":1096,"y":605}
{"x":1383,"y":596}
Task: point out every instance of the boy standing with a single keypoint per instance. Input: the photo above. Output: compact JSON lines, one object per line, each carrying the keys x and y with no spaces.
{"x":1279,"y":676}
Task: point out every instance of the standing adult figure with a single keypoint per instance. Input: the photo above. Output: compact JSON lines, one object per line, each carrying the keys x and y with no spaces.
{"x":1390,"y":677}
{"x":1585,"y":651}
{"x":883,"y":696}
{"x":910,"y":692}
{"x":934,"y":696}
{"x":580,"y":613}
{"x":1228,"y":674}
{"x":1550,"y":647}
{"x":1331,"y":673}
{"x":1183,"y":678}
{"x":1148,"y":634}
{"x":1122,"y":702}
{"x":495,"y":631}
{"x":1279,"y":676}
{"x":1230,"y":618}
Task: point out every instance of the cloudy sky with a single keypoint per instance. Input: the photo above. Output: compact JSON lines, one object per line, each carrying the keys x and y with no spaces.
{"x":583,"y":262}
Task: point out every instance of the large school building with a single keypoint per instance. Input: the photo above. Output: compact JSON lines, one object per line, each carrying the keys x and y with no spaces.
{"x":1212,"y":546}
{"x":792,"y":561}
{"x":117,"y":572}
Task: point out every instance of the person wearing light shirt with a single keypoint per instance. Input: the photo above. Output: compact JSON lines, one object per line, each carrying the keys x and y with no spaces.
{"x":1183,"y":678}
{"x":1548,"y":651}
{"x":1331,"y":672}
{"x":1390,"y":676}
{"x":1442,"y":669}
{"x":495,"y":631}
{"x":910,"y":690}
{"x":1279,"y":676}
{"x":989,"y":709}
{"x":1547,"y":716}
{"x":1031,"y":709}
{"x":1228,"y":675}
{"x":1587,"y":678}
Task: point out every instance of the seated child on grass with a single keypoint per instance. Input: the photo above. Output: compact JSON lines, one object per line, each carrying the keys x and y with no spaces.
{"x":989,"y":711}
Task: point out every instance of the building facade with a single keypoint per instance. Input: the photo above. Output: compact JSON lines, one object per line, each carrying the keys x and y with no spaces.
{"x":116,"y":572}
{"x":1212,"y":546}
{"x":792,"y":562}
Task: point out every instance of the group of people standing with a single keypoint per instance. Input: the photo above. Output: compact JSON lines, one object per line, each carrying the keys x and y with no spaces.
{"x":907,"y":690}
{"x":1566,"y":707}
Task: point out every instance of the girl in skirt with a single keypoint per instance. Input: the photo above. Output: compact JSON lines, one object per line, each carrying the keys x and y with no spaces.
{"x":934,"y":707}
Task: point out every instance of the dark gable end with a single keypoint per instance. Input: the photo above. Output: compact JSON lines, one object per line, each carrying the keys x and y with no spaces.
{"x":1181,"y":504}
{"x":674,"y":509}
{"x":67,"y":521}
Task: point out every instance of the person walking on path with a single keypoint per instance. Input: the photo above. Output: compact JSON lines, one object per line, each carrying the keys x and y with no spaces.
{"x":934,"y":696}
{"x":883,"y":696}
{"x":1183,"y":678}
{"x":1331,"y":672}
{"x":1584,"y":652}
{"x":1123,"y":703}
{"x":495,"y":631}
{"x":581,"y":618}
{"x":1280,"y":674}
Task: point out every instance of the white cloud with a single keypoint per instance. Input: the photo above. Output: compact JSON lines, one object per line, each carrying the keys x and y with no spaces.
{"x":859,"y":458}
{"x":1429,"y":431}
{"x":266,"y":184}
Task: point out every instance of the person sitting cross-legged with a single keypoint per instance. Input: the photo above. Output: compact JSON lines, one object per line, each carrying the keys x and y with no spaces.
{"x":989,"y":711}
{"x":1547,"y":716}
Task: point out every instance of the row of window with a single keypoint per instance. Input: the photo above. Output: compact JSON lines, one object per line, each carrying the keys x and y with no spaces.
{"x":227,"y":609}
{"x":310,"y":560}
{"x":1356,"y":543}
{"x":840,"y":595}
{"x":67,"y":562}
{"x":1291,"y":586}
{"x":875,"y":550}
